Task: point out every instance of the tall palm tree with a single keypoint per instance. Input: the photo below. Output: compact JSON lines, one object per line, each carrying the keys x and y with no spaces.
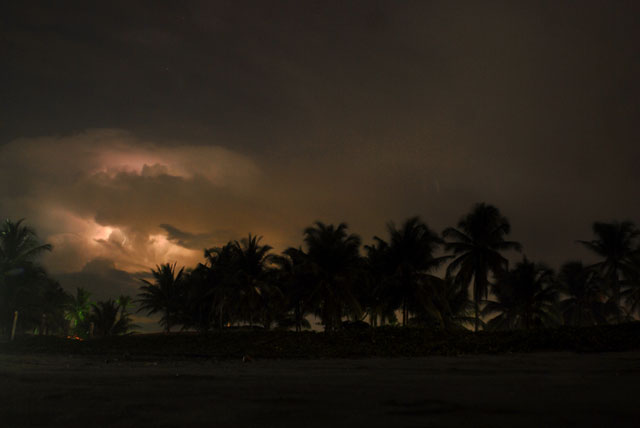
{"x":335,"y":262}
{"x":381,"y":299}
{"x":585,"y":300}
{"x":616,"y":245}
{"x":198,"y":309}
{"x":477,"y":244}
{"x":409,"y":259}
{"x":219,"y":278}
{"x":294,"y":277}
{"x":255,"y":292}
{"x":525,"y":298}
{"x":164,"y":295}
{"x":21,"y":278}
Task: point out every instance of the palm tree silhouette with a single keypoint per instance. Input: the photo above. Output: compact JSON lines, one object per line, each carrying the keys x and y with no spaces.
{"x":110,"y":318}
{"x":616,"y":244}
{"x":380,"y":301}
{"x":632,"y":293}
{"x":408,"y":259}
{"x":21,"y":278}
{"x":19,"y":245}
{"x":335,"y":262}
{"x":452,"y":308}
{"x":585,"y":299}
{"x":294,"y":277}
{"x":525,"y":298}
{"x":255,"y":292}
{"x":164,"y":295}
{"x":52,"y":303}
{"x":476,"y":244}
{"x":220,"y":277}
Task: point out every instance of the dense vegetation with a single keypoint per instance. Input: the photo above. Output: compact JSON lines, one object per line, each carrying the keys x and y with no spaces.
{"x":414,"y":277}
{"x":44,"y":307}
{"x":384,"y":341}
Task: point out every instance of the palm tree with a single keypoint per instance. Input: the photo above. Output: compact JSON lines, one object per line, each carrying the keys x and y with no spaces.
{"x":477,"y":244}
{"x":525,"y":298}
{"x":164,"y":295}
{"x":294,"y":278}
{"x":452,"y":308}
{"x":616,"y":244}
{"x":408,"y":257}
{"x":198,"y":309}
{"x":335,"y":262}
{"x":632,"y":293}
{"x":53,"y":300}
{"x":255,"y":292}
{"x":77,"y":312}
{"x":19,"y":245}
{"x":110,"y":319}
{"x":380,"y":299}
{"x":124,"y":303}
{"x":219,"y":278}
{"x":584,"y":303}
{"x":21,"y":278}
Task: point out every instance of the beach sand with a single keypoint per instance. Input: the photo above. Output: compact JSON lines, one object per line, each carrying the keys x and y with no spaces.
{"x":509,"y":390}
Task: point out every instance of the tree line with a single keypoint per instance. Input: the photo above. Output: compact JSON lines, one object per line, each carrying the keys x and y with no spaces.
{"x":414,"y":276}
{"x":395,"y":280}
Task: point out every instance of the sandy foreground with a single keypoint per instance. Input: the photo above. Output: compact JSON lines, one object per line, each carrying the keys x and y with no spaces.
{"x":514,"y":390}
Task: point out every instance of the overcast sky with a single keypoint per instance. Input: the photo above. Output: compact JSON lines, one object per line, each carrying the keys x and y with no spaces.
{"x":132,"y":135}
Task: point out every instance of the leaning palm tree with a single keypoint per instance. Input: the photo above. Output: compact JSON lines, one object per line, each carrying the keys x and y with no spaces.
{"x":524,"y":298}
{"x":616,"y":245}
{"x":334,"y":259}
{"x":408,"y":258}
{"x":477,"y":244}
{"x":163,"y":295}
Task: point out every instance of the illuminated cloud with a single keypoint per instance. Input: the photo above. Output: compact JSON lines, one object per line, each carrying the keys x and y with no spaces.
{"x":104,"y":193}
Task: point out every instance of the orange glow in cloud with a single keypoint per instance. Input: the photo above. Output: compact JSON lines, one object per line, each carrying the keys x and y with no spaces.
{"x":91,"y":204}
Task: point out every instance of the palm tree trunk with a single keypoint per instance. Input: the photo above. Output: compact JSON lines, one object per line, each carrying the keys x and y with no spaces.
{"x":404,"y":313}
{"x":616,"y":297}
{"x":475,"y":302}
{"x":300,"y":315}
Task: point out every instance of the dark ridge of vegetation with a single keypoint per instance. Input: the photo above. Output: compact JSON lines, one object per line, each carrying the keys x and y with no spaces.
{"x":372,"y":342}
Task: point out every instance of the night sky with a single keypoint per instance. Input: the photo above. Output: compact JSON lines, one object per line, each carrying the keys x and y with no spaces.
{"x":139,"y":134}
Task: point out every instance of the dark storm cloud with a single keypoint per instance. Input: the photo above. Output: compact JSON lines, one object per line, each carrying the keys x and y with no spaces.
{"x":102,"y":279}
{"x":340,"y":111}
{"x":193,"y":241}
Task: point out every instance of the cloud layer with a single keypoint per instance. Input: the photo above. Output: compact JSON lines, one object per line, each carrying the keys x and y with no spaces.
{"x":223,"y":118}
